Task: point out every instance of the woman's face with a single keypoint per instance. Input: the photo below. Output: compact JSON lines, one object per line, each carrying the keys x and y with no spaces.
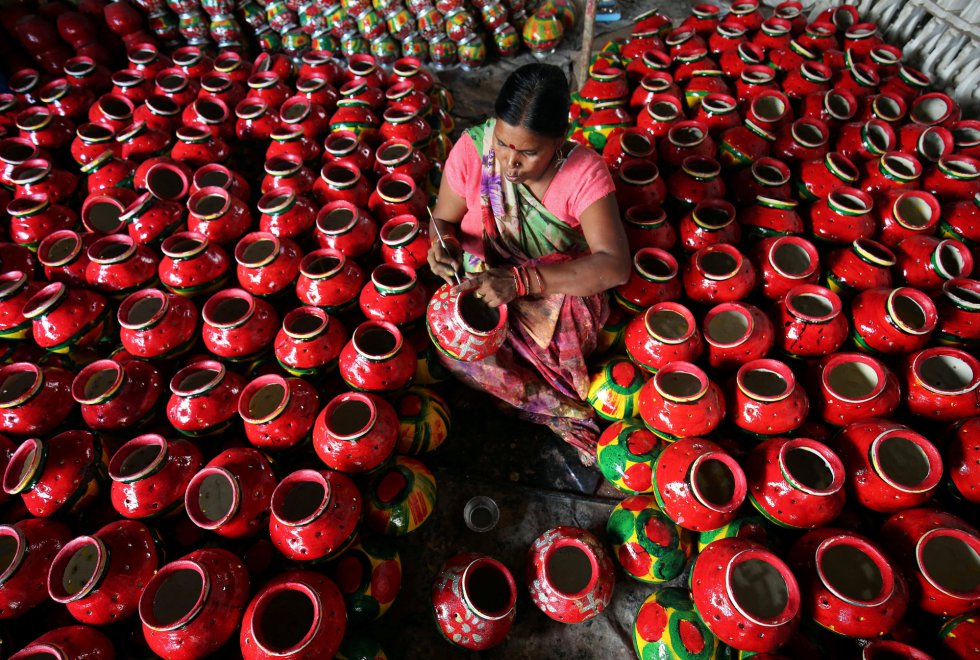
{"x":524,"y":155}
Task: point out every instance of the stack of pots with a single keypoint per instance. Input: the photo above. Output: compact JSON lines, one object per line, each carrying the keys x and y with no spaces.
{"x":792,"y":370}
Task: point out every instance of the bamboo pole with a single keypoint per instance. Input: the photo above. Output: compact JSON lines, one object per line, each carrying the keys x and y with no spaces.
{"x":588,"y":36}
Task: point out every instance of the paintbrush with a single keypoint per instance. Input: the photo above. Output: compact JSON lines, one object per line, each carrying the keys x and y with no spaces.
{"x":442,"y":242}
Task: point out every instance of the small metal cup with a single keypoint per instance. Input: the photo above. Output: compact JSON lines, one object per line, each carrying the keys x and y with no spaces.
{"x":481,"y":514}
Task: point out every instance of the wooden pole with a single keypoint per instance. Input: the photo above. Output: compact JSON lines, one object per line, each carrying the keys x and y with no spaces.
{"x":588,"y":36}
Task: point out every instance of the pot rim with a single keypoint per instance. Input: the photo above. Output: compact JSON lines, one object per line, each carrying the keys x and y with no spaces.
{"x":831,"y":459}
{"x":261,"y":603}
{"x":307,"y":310}
{"x":869,"y":550}
{"x":88,"y":371}
{"x":95,"y":249}
{"x":661,"y":255}
{"x":386,"y":289}
{"x":402,"y":178}
{"x":722,"y":308}
{"x":501,"y":316}
{"x":20,"y":367}
{"x":763,"y":364}
{"x":171,"y":167}
{"x":12,"y":283}
{"x":774,"y":163}
{"x":725,"y":248}
{"x":390,"y":328}
{"x":132,"y":299}
{"x":265,"y":203}
{"x":304,"y":266}
{"x":714,"y":203}
{"x":60,"y":562}
{"x":192,"y":497}
{"x":19,"y":550}
{"x":330,"y":208}
{"x":587,"y":551}
{"x":253,"y":388}
{"x":683,"y":367}
{"x":928,"y":198}
{"x":300,"y":476}
{"x":345,"y":398}
{"x":919,"y":298}
{"x":196,"y":367}
{"x":168,"y":247}
{"x":962,"y":535}
{"x":327,"y":169}
{"x":949,"y":290}
{"x":44,"y":300}
{"x":397,"y":221}
{"x":19,"y":475}
{"x":738,"y":476}
{"x":932,"y":478}
{"x":800,"y":242}
{"x":839,"y":359}
{"x":43,"y":250}
{"x":676,"y":308}
{"x":139,"y":442}
{"x":652,"y":170}
{"x":792,"y":587}
{"x":210,"y":191}
{"x":207,"y":312}
{"x":146,"y":599}
{"x":251,"y":239}
{"x":945,"y":351}
{"x":660,"y":216}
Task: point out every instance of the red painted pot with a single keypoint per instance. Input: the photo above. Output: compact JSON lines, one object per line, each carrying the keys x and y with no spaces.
{"x":377,"y":359}
{"x":230,"y":495}
{"x":355,"y":432}
{"x":237,"y":325}
{"x":736,"y":333}
{"x":942,"y":383}
{"x":842,"y":217}
{"x":893,"y":171}
{"x":889,"y":467}
{"x":926,"y":263}
{"x":119,"y":266}
{"x":33,"y":544}
{"x":665,"y":333}
{"x":393,"y":295}
{"x":192,"y":265}
{"x":299,"y":614}
{"x":328,"y":279}
{"x":192,"y":606}
{"x":474,"y":599}
{"x":150,"y":220}
{"x":584,"y":589}
{"x":698,"y":485}
{"x":400,"y":157}
{"x":33,"y":217}
{"x":309,"y":342}
{"x":861,"y":142}
{"x":892,"y":322}
{"x":958,"y":309}
{"x":204,"y":398}
{"x":639,"y":183}
{"x":849,"y":585}
{"x":864,"y":265}
{"x":165,"y":178}
{"x":767,"y":177}
{"x":851,"y":387}
{"x":215,"y":174}
{"x":681,"y":402}
{"x":344,"y":146}
{"x":697,"y":180}
{"x":223,"y":219}
{"x":746,"y":595}
{"x":718,"y":273}
{"x":315,"y":515}
{"x":286,"y":214}
{"x":932,"y":548}
{"x":765,"y":400}
{"x":785,"y":262}
{"x":255,"y":122}
{"x":810,"y":322}
{"x":712,"y":221}
{"x":341,"y":182}
{"x":652,"y":280}
{"x":150,"y":474}
{"x":961,"y":459}
{"x":34,"y":400}
{"x":278,"y":412}
{"x":905,"y":213}
{"x":343,"y":226}
{"x":64,"y":319}
{"x":156,"y":325}
{"x":91,"y":140}
{"x":15,"y":290}
{"x":647,"y":226}
{"x":116,"y":396}
{"x":267,"y":265}
{"x":405,"y":241}
{"x":99,"y":578}
{"x":287,"y":170}
{"x":63,"y":474}
{"x":70,"y":642}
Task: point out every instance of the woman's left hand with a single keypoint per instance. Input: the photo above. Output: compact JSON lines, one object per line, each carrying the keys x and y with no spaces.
{"x":495,"y":287}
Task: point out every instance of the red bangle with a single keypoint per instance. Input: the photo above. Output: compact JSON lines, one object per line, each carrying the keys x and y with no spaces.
{"x":519,"y":283}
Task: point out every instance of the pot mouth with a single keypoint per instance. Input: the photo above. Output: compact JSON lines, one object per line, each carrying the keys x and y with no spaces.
{"x":863,"y":75}
{"x":400,"y":230}
{"x":263,"y":80}
{"x":77,"y":569}
{"x":24,"y":81}
{"x":287,"y":133}
{"x":80,"y":66}
{"x":167,"y":181}
{"x":210,"y":110}
{"x":811,"y":467}
{"x":933,"y":145}
{"x":54,"y":90}
{"x":24,"y":467}
{"x":765,"y":380}
{"x":30,"y":171}
{"x":143,"y":310}
{"x":174,"y":596}
{"x":264,"y":399}
{"x":103,"y":214}
{"x":761,"y":588}
{"x":229,"y":308}
{"x":377,"y":340}
{"x":717,"y":482}
{"x":116,"y":107}
{"x":128,"y":78}
{"x":112,"y":249}
{"x":639,"y":173}
{"x":322,"y":263}
{"x":813,"y":303}
{"x":949,"y":559}
{"x":13,"y":547}
{"x":33,"y":119}
{"x":889,"y":107}
{"x":251,"y":108}
{"x":59,"y":248}
{"x":655,"y":265}
{"x":769,"y":106}
{"x":216,"y":82}
{"x":854,"y":571}
{"x":839,"y":105}
{"x":213,"y":174}
{"x":854,"y":377}
{"x":295,"y":110}
{"x":213,"y":497}
{"x":301,"y":498}
{"x":750,"y":53}
{"x":188,"y":56}
{"x":12,"y":283}
{"x":139,"y":458}
{"x":669,"y":323}
{"x":490,"y":591}
{"x":816,"y":72}
{"x":901,"y":166}
{"x":657,"y":82}
{"x":98,"y":382}
{"x":841,"y":166}
{"x":340,"y":175}
{"x":193,"y":133}
{"x":720,"y":261}
{"x":571,"y":567}
{"x":681,"y":382}
{"x":95,"y":133}
{"x":477,"y":317}
{"x":277,"y":201}
{"x":209,"y":203}
{"x":873,"y":253}
{"x":392,"y":279}
{"x":283,"y":165}
{"x":198,"y":378}
{"x":932,"y":109}
{"x":45,"y":300}
{"x":719,"y":104}
{"x":305,"y":323}
{"x":731,"y":30}
{"x":14,"y":151}
{"x":701,"y":167}
{"x":636,"y":143}
{"x":713,"y":214}
{"x":966,"y":133}
{"x":946,"y":371}
{"x":341,"y":143}
{"x":911,"y":310}
{"x":964,"y":293}
{"x":687,"y":134}
{"x":810,"y":133}
{"x":770,"y":172}
{"x":351,"y":415}
{"x":793,"y":257}
{"x":337,"y":218}
{"x":227,"y":61}
{"x":758,"y":74}
{"x":396,"y":188}
{"x":257,"y":249}
{"x":850,"y":201}
{"x":361,"y":65}
{"x":394,"y":152}
{"x":28,"y":205}
{"x":962,"y":168}
{"x":645,"y":216}
{"x":728,"y":324}
{"x":667,"y":108}
{"x":906,"y":461}
{"x":184,"y":245}
{"x":172,"y":80}
{"x":286,"y":619}
{"x":19,"y":382}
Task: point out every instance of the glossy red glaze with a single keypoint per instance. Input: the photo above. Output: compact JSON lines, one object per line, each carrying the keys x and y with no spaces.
{"x":344,"y":226}
{"x":255,"y":122}
{"x":344,"y":147}
{"x":768,"y":217}
{"x":849,"y":585}
{"x":292,"y":141}
{"x":962,"y":454}
{"x":196,"y":146}
{"x":681,"y":402}
{"x":698,"y":486}
{"x":230,"y":495}
{"x":213,"y":587}
{"x":395,"y":195}
{"x":35,"y":399}
{"x":764,"y":399}
{"x":71,"y":641}
{"x":904,"y":213}
{"x":666,"y":332}
{"x":91,"y":140}
{"x":718,"y":273}
{"x":286,"y":214}
{"x":393,"y":295}
{"x":278,"y":412}
{"x":553,"y":596}
{"x":892,"y":321}
{"x":864,"y":265}
{"x":958,"y":307}
{"x":223,"y":219}
{"x":767,"y":177}
{"x":867,"y":141}
{"x":647,"y":226}
{"x":119,"y":266}
{"x":155,"y":325}
{"x":15,"y":290}
{"x":629,"y":143}
{"x":639,"y":183}
{"x":460,"y":601}
{"x":696,"y":181}
{"x":64,"y":255}
{"x":810,"y":322}
{"x":405,"y":241}
{"x":785,"y":262}
{"x":204,"y":398}
{"x":45,"y":129}
{"x":400,"y":157}
{"x":192,"y":265}
{"x":40,"y":177}
{"x":309,"y":342}
{"x":63,"y":474}
{"x":377,"y":359}
{"x":315,"y":514}
{"x":267,"y":265}
{"x":736,"y":333}
{"x":850,"y":387}
{"x":34,"y":542}
{"x":328,"y":279}
{"x":355,"y":432}
{"x":66,"y":318}
{"x":927,"y":263}
{"x":165,"y":178}
{"x":237,"y":325}
{"x":341,"y":182}
{"x":150,"y":474}
{"x":116,"y":396}
{"x":150,"y":220}
{"x":661,"y":112}
{"x":312,"y":608}
{"x":160,"y":114}
{"x":942,"y":383}
{"x":102,"y":212}
{"x":932,"y":548}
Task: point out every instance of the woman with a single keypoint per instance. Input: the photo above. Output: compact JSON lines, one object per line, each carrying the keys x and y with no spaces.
{"x":532,"y":220}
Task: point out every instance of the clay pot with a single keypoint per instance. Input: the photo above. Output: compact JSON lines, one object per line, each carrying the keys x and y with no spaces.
{"x":150,"y":474}
{"x":278,"y":412}
{"x":309,"y":342}
{"x":33,"y":217}
{"x":156,"y":325}
{"x":852,"y":387}
{"x":653,"y":280}
{"x":355,"y":433}
{"x":164,"y":178}
{"x":746,"y":595}
{"x":473,"y":599}
{"x":810,"y":322}
{"x":927,"y":263}
{"x":820,"y":177}
{"x":230,"y":495}
{"x":119,"y":266}
{"x":842,"y":217}
{"x":404,"y":241}
{"x":765,"y":400}
{"x":665,"y":333}
{"x":681,"y":402}
{"x":91,"y":140}
{"x":63,"y":474}
{"x":941,"y":383}
{"x":393,"y":296}
{"x":286,"y":214}
{"x":115,"y":396}
{"x":769,"y":217}
{"x":315,"y":515}
{"x":99,"y":578}
{"x":65,"y":319}
{"x":767,"y":177}
{"x":905,"y":213}
{"x":150,"y":220}
{"x":215,"y":174}
{"x":267,"y":265}
{"x":932,"y":548}
{"x":376,"y":359}
{"x":697,"y":182}
{"x":204,"y":398}
{"x":864,"y":265}
{"x":893,"y":171}
{"x":223,"y":219}
{"x":31,"y":544}
{"x":299,"y":614}
{"x":72,"y":642}
{"x":255,"y":122}
{"x":39,"y":176}
{"x":329,"y":280}
{"x":698,"y":485}
{"x":343,"y":226}
{"x":892,"y":322}
{"x":639,"y":183}
{"x":569,"y":575}
{"x":957,"y":310}
{"x":237,"y":325}
{"x":666,"y":609}
{"x":15,"y":290}
{"x":287,"y":170}
{"x":614,"y":389}
{"x":647,"y":226}
{"x":625,"y":454}
{"x":849,"y":585}
{"x":192,"y":606}
{"x":736,"y":333}
{"x":34,"y":400}
{"x":192,"y":265}
{"x":399,"y":497}
{"x":344,"y":146}
{"x":196,"y":146}
{"x":718,"y":273}
{"x":784,"y":263}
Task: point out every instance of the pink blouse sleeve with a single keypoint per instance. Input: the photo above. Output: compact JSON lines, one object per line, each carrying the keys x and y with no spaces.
{"x":462,"y":168}
{"x":593,"y":182}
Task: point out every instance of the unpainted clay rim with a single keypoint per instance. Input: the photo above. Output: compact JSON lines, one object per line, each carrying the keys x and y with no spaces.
{"x":721,"y":308}
{"x":132,"y":299}
{"x":765,"y":364}
{"x":946,"y":351}
{"x":677,"y":309}
{"x":139,"y":442}
{"x":738,"y":476}
{"x":800,"y":242}
{"x":90,"y":370}
{"x":962,"y":535}
{"x":253,"y":388}
{"x":873,"y":553}
{"x":20,"y":367}
{"x":261,"y":603}
{"x":839,"y":359}
{"x":146,"y":601}
{"x":192,"y":494}
{"x":587,"y":551}
{"x":792,"y":588}
{"x":193,"y":368}
{"x":919,"y":298}
{"x":56,"y":587}
{"x":935,"y":474}
{"x":300,"y":476}
{"x":823,"y":451}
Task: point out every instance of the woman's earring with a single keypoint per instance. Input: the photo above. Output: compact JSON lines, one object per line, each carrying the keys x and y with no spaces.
{"x":559,"y":158}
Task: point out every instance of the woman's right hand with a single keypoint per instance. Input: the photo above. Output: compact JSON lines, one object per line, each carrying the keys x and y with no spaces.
{"x":445,"y":262}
